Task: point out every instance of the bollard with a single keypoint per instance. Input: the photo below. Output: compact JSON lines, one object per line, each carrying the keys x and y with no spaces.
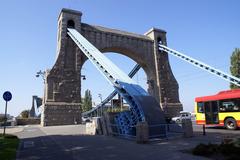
{"x":142,"y":132}
{"x":204,"y":130}
{"x":187,"y":128}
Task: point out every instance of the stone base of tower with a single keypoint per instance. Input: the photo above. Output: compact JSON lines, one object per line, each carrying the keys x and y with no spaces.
{"x":172,"y":109}
{"x":60,"y":113}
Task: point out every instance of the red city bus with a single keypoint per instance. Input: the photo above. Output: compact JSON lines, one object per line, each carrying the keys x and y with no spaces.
{"x":222,"y":109}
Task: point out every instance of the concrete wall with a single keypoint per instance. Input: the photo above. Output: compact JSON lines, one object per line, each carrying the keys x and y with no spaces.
{"x":60,"y":113}
{"x":27,"y":121}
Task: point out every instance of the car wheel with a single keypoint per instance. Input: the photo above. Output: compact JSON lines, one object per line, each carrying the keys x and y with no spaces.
{"x":230,"y":123}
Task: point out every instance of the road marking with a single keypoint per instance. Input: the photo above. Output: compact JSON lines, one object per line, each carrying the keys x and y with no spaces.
{"x":28,"y":144}
{"x":31,"y":130}
{"x":74,"y":149}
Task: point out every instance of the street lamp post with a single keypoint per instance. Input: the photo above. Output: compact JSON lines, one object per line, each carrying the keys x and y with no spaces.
{"x":42,"y":74}
{"x":100,"y":96}
{"x":83,"y":77}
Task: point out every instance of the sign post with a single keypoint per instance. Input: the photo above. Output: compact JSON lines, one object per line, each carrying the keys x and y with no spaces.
{"x":7,"y":96}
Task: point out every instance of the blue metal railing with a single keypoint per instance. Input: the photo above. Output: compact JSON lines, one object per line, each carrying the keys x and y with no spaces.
{"x":170,"y":130}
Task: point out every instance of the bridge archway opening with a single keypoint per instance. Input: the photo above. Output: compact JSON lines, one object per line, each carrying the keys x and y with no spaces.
{"x":70,"y":24}
{"x":159,"y":40}
{"x":97,"y":84}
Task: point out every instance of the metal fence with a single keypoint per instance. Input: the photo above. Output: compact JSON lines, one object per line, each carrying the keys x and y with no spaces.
{"x":158,"y":131}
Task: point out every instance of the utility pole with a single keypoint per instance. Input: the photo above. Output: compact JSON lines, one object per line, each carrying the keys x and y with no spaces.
{"x":100,"y":96}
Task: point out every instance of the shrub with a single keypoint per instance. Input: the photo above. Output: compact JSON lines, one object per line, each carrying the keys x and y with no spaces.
{"x":205,"y":150}
{"x":229,"y":149}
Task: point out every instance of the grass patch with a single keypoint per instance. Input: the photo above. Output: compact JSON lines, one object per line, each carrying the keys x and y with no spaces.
{"x":8,"y":147}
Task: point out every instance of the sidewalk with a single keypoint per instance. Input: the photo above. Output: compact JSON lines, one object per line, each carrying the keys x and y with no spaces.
{"x":67,"y":143}
{"x":12,"y":129}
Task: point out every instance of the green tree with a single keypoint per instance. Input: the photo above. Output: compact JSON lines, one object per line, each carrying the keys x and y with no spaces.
{"x":235,"y":66}
{"x":2,"y":119}
{"x":87,"y":101}
{"x":24,"y":114}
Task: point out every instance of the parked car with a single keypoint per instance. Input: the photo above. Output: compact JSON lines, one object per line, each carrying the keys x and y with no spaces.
{"x":86,"y":119}
{"x":183,"y":115}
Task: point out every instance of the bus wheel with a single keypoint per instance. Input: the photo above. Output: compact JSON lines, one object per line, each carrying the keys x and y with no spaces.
{"x":230,"y":123}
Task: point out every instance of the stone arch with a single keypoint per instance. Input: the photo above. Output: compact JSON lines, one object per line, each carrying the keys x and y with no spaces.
{"x":93,"y":76}
{"x":132,"y":55}
{"x":129,"y":54}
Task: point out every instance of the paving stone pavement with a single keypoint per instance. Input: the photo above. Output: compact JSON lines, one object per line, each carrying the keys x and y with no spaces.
{"x":70,"y":143}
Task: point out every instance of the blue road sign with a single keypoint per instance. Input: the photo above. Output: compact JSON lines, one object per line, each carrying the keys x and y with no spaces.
{"x":7,"y":96}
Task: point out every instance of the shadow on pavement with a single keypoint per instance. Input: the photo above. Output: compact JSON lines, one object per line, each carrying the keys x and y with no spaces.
{"x":86,"y":147}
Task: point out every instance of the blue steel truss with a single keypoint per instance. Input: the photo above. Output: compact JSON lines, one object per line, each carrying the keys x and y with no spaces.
{"x":111,"y":95}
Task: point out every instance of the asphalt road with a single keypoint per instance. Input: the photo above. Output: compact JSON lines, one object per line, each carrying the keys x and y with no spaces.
{"x":217,"y":130}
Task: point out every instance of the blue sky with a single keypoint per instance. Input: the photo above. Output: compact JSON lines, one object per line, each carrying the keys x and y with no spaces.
{"x":206,"y":30}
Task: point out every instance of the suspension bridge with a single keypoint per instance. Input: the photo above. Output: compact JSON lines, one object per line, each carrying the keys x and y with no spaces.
{"x":78,"y":42}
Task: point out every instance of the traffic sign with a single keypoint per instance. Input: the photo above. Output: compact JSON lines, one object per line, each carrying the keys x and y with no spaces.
{"x":7,"y":96}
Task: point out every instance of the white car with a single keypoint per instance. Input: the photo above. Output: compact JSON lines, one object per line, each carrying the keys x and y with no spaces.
{"x":86,"y":119}
{"x":183,"y":115}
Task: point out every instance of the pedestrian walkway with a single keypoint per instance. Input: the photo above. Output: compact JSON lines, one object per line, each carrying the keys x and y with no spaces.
{"x":12,"y":130}
{"x":70,"y":143}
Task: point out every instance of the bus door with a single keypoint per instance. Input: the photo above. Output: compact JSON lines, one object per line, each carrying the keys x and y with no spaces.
{"x":211,"y":112}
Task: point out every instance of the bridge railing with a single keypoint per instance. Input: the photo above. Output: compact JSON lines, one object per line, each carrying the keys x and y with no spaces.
{"x":171,"y":130}
{"x":115,"y":131}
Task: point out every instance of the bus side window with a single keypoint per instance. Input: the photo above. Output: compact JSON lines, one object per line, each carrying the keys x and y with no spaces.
{"x":222,"y":109}
{"x":229,"y":106}
{"x":236,"y":108}
{"x":200,"y":107}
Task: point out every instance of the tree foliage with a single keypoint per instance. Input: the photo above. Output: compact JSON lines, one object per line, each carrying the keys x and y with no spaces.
{"x":87,"y":101}
{"x":2,"y":119}
{"x":235,"y":66}
{"x":24,"y":114}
